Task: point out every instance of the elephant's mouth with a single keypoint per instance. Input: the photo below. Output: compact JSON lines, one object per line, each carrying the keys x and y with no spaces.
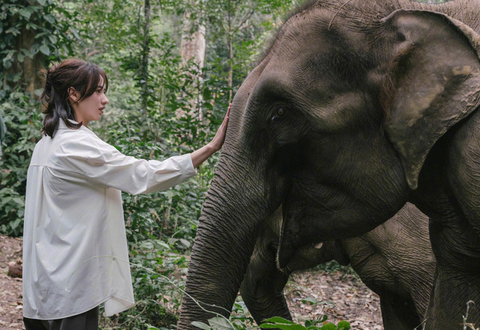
{"x":294,"y":235}
{"x":289,"y":240}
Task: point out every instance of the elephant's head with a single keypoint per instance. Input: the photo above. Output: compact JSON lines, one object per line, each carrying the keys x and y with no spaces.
{"x":395,"y":260}
{"x":332,"y":125}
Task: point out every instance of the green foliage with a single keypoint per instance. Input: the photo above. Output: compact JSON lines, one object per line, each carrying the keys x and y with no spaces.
{"x":28,"y":29}
{"x":22,"y":118}
{"x":283,"y":324}
{"x":240,"y":319}
{"x":157,"y":270}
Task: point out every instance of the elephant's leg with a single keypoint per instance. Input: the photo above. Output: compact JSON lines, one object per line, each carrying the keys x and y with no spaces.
{"x":457,"y":277}
{"x":398,"y":313}
{"x":262,"y":286}
{"x":448,"y":192}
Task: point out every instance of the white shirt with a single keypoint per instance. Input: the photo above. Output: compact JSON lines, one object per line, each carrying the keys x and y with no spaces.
{"x":75,"y":253}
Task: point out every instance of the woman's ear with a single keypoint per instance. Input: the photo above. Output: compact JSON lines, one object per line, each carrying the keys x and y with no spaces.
{"x":432,"y":83}
{"x":73,"y":95}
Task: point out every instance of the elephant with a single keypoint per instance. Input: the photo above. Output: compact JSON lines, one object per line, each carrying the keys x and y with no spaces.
{"x":356,"y":108}
{"x":395,"y":260}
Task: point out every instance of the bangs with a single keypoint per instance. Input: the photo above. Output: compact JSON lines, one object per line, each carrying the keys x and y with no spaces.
{"x":89,"y":80}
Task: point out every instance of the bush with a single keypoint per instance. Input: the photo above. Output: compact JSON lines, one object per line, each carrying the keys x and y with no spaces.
{"x":23,"y":120}
{"x":158,"y":271}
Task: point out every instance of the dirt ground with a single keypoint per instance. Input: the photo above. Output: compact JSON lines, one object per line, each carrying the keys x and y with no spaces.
{"x":10,"y":288}
{"x":333,"y":293}
{"x":338,"y":295}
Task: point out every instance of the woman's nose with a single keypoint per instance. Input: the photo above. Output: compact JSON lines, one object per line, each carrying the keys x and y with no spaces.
{"x":105,"y":100}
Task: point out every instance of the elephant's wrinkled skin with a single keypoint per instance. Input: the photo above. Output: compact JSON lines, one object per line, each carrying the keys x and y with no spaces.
{"x":395,"y":260}
{"x":358,"y":107}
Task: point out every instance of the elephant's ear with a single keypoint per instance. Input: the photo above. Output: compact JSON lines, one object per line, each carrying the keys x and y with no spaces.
{"x":432,"y":82}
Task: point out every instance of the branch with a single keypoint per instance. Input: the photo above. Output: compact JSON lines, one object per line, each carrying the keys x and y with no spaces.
{"x":240,"y":26}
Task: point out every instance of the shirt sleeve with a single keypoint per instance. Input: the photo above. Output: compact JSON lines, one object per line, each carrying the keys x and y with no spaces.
{"x":102,"y":164}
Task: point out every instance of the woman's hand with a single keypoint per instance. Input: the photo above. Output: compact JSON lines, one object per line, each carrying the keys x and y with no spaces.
{"x":219,"y":137}
{"x":202,"y":154}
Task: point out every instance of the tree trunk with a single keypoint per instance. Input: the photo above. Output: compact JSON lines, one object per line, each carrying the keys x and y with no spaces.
{"x":193,"y":44}
{"x":193,"y":48}
{"x":29,"y":67}
{"x":145,"y":53}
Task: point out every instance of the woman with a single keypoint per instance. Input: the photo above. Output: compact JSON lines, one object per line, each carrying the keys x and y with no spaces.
{"x":75,"y":251}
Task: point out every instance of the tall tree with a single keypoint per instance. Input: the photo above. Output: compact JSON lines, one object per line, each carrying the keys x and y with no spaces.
{"x":193,"y":37}
{"x":236,"y":28}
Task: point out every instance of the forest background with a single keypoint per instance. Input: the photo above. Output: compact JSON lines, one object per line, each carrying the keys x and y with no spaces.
{"x":173,"y":68}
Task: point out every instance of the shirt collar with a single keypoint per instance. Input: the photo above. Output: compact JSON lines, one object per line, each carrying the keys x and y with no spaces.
{"x":63,"y":126}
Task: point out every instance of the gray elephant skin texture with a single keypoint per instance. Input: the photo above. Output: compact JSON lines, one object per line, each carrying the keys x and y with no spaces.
{"x":356,"y":108}
{"x":395,"y":260}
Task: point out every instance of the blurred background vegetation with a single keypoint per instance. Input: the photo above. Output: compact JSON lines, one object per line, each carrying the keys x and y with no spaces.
{"x":173,"y":68}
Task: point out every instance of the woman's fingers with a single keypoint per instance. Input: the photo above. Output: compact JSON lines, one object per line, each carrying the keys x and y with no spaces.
{"x":219,"y":137}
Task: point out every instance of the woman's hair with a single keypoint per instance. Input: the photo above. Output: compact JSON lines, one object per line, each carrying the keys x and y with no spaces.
{"x":84,"y":77}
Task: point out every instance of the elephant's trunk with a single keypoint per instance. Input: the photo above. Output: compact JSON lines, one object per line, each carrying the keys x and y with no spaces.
{"x":262,"y":287}
{"x":237,"y":201}
{"x":224,"y":243}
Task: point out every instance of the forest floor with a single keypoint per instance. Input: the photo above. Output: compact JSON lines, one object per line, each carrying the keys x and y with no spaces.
{"x":338,"y":294}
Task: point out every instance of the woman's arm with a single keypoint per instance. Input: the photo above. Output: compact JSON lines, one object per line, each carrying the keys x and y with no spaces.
{"x":202,"y":154}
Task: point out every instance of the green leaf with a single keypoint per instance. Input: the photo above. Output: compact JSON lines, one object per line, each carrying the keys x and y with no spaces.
{"x":18,"y":200}
{"x":310,"y":300}
{"x":44,"y":49}
{"x":75,"y":32}
{"x":50,"y":18}
{"x":220,"y":323}
{"x":280,"y":323}
{"x":25,"y":13}
{"x":53,"y":39}
{"x":20,"y":57}
{"x":147,"y":245}
{"x":329,"y":326}
{"x":42,"y":2}
{"x":165,"y":245}
{"x":278,"y":319}
{"x":185,"y":242}
{"x":33,"y":51}
{"x":201,"y":325}
{"x":15,"y":223}
{"x":343,"y":325}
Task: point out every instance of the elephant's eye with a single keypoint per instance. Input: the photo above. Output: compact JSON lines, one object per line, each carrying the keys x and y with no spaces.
{"x":279,"y":112}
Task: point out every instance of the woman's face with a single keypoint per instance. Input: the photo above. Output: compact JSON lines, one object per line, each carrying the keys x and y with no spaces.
{"x":90,"y":108}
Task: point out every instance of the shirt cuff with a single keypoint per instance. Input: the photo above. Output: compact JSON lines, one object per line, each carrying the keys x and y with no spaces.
{"x":186,"y":164}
